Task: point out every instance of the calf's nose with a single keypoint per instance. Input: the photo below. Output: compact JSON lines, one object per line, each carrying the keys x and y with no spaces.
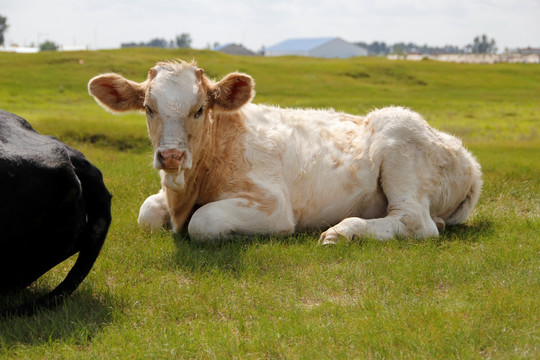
{"x":170,"y":158}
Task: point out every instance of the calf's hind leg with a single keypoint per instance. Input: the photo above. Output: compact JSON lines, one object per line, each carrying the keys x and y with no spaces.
{"x":408,"y":206}
{"x":404,"y":221}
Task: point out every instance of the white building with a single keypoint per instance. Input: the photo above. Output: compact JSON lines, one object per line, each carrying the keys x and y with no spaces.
{"x":317,"y":47}
{"x":20,"y":49}
{"x":472,"y":58}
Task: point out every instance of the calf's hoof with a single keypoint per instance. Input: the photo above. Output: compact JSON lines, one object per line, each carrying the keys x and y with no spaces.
{"x":331,"y":237}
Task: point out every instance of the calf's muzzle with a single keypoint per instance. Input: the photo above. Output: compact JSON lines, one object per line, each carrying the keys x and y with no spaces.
{"x":170,"y":159}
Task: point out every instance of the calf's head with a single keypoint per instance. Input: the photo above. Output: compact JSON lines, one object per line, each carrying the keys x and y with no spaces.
{"x":179,"y":101}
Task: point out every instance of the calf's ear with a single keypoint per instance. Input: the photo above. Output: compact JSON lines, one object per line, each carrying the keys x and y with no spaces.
{"x":116,"y":93}
{"x":233,"y":91}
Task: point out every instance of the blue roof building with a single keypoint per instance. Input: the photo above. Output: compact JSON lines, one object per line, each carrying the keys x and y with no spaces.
{"x":317,"y":47}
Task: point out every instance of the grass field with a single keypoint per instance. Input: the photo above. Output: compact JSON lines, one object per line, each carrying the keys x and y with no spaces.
{"x":471,"y":293}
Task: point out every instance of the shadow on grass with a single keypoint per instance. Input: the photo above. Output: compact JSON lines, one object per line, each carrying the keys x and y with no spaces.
{"x":474,"y":231}
{"x":229,"y":256}
{"x":77,"y":320}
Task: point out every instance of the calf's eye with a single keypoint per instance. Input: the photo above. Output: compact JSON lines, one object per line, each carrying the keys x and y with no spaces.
{"x":148,"y":110}
{"x":198,"y":113}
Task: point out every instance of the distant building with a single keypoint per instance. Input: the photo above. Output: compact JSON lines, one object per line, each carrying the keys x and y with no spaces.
{"x":234,"y":49}
{"x":32,"y":50}
{"x":20,"y":49}
{"x":471,"y":58}
{"x":529,"y":51}
{"x":317,"y":47}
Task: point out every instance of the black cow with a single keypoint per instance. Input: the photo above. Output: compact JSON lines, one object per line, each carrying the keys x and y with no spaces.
{"x":53,"y":204}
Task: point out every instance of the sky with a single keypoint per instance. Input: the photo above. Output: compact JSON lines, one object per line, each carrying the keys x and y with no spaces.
{"x":105,"y":24}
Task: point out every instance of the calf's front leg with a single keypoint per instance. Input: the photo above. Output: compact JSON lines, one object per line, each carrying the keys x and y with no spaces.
{"x":153,"y":213}
{"x":223,"y":219}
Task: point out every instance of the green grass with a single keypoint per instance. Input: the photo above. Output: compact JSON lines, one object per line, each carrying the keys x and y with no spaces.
{"x":471,"y":293}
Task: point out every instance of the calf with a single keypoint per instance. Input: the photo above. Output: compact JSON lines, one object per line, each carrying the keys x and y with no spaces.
{"x":53,"y":205}
{"x":229,"y":166}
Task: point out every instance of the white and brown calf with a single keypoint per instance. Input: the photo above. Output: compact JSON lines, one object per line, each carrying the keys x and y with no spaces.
{"x":255,"y":169}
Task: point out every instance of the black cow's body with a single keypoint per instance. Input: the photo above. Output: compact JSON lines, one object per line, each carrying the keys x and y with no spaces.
{"x":53,"y":204}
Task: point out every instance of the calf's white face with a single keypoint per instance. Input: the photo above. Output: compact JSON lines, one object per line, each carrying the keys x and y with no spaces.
{"x":175,"y":114}
{"x":177,"y":99}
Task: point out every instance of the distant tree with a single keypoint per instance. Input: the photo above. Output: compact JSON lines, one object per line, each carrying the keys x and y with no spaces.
{"x":48,"y":46}
{"x":161,"y":43}
{"x":375,"y":48}
{"x":183,"y":40}
{"x":399,"y":48}
{"x":380,"y":48}
{"x":482,"y":45}
{"x":3,"y":27}
{"x":130,"y":44}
